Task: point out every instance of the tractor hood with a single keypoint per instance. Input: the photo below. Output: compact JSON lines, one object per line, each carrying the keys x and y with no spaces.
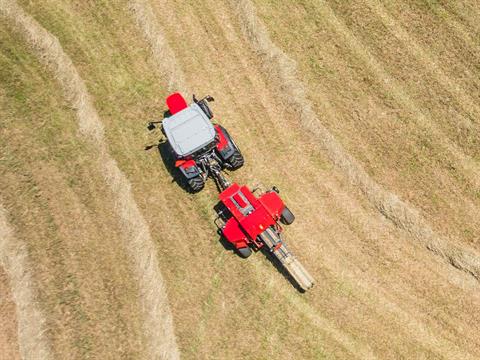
{"x":189,"y":130}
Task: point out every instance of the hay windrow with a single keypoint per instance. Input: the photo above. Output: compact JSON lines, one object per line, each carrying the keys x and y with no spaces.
{"x":32,"y":336}
{"x":162,"y":53}
{"x":158,"y":321}
{"x":283,"y":70}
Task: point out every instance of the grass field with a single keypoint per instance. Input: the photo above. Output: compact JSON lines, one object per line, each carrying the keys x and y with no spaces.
{"x":364,"y":114}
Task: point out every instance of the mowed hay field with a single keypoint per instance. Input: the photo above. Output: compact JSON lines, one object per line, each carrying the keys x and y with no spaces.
{"x":364,"y":113}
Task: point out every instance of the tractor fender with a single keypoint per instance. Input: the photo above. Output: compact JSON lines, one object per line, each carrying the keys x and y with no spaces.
{"x":188,"y":168}
{"x":234,"y":234}
{"x":225,"y":146}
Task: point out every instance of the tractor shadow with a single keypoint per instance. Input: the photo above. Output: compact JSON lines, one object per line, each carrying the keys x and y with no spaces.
{"x":168,"y":160}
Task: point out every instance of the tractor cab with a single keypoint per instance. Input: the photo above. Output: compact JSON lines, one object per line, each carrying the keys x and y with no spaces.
{"x":189,"y":130}
{"x":198,"y":146}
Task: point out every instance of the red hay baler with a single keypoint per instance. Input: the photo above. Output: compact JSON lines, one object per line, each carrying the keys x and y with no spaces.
{"x":249,"y":222}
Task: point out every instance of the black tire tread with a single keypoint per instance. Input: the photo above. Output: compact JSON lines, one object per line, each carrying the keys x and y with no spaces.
{"x":236,"y":161}
{"x":244,"y":252}
{"x":196,"y":184}
{"x":287,"y":216}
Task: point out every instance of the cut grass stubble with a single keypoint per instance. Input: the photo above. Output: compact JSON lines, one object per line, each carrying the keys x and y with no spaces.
{"x":157,"y":317}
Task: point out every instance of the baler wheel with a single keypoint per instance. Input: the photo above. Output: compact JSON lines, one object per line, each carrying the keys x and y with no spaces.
{"x":245,"y":252}
{"x":196,"y":184}
{"x":287,"y":217}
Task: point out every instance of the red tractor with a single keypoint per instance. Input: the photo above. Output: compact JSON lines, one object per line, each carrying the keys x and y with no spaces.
{"x":202,"y":149}
{"x":198,"y":146}
{"x":249,"y":222}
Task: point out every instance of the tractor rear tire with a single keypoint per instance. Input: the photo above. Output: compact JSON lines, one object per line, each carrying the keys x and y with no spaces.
{"x":236,"y":161}
{"x":244,"y":252}
{"x":196,"y":184}
{"x":287,"y":217}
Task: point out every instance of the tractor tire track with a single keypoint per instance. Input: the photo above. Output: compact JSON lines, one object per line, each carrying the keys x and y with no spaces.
{"x":32,"y":338}
{"x":357,"y":349}
{"x":158,"y":321}
{"x":464,"y":12}
{"x":457,"y":26}
{"x":9,"y":346}
{"x":438,"y":345}
{"x":454,"y":26}
{"x":281,"y":67}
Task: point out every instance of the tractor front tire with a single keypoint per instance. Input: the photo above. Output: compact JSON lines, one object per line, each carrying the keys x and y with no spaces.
{"x":236,"y":161}
{"x":196,"y":184}
{"x":287,"y":217}
{"x":244,"y":252}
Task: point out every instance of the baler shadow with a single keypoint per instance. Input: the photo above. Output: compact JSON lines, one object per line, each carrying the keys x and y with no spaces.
{"x":276,"y":263}
{"x":223,"y":215}
{"x":226,"y":245}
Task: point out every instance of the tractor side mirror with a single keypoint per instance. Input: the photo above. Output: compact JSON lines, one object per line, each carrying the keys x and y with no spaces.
{"x":151,"y":126}
{"x":209,"y":98}
{"x":195,"y":100}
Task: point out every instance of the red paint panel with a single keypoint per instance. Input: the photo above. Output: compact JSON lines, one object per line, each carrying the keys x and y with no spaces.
{"x":185,"y":163}
{"x":222,"y":139}
{"x":225,"y":199}
{"x":239,"y":200}
{"x":234,"y":234}
{"x":256,"y":222}
{"x":272,"y":203}
{"x":250,"y":197}
{"x":266,"y":212}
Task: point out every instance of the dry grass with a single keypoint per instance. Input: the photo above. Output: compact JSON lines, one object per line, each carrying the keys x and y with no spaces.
{"x":380,"y":294}
{"x":60,"y":208}
{"x":358,"y":51}
{"x":161,"y":51}
{"x":399,"y":212}
{"x":249,"y":108}
{"x":157,"y":317}
{"x":32,"y":340}
{"x":8,"y":321}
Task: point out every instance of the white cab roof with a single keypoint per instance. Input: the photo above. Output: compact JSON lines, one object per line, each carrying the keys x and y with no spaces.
{"x":189,"y":130}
